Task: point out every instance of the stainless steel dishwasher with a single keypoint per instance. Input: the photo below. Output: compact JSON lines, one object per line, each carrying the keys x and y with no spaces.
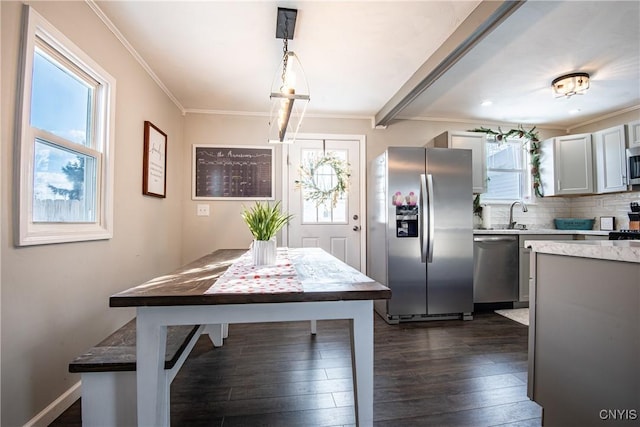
{"x":495,"y":268}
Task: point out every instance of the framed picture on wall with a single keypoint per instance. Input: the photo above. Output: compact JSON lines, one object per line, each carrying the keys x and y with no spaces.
{"x":154,"y":169}
{"x":233,"y":173}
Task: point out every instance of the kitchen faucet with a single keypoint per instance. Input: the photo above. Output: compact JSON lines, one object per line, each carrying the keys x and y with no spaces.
{"x":512,"y":223}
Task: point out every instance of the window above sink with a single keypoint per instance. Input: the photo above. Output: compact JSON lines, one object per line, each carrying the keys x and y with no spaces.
{"x":508,"y":171}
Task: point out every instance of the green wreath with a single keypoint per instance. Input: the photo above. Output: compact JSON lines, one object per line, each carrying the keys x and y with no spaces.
{"x":312,"y":190}
{"x":534,"y":150}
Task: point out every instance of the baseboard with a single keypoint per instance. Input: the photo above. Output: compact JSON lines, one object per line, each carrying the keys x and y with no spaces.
{"x":56,"y":408}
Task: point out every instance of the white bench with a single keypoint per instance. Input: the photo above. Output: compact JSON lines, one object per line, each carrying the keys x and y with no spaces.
{"x":108,"y":371}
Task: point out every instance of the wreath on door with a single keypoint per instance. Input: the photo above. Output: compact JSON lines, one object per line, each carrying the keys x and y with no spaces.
{"x":315,"y":188}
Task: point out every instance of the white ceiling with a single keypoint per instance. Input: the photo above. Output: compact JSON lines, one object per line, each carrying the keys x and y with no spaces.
{"x":221,"y":56}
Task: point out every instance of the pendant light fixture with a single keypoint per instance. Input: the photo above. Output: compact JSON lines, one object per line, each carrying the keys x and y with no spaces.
{"x":570,"y":84}
{"x":289,"y":90}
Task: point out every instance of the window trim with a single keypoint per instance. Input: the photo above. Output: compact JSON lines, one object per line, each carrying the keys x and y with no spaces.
{"x":526,"y":185}
{"x":28,"y":232}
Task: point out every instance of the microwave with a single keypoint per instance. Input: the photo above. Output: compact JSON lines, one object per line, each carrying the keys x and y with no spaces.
{"x":633,"y":165}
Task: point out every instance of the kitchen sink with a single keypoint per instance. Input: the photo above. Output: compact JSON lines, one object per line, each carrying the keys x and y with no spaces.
{"x":505,"y":227}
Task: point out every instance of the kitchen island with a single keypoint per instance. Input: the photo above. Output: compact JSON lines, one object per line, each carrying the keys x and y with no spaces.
{"x":584,"y":335}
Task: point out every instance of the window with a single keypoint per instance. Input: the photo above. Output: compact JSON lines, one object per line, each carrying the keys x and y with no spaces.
{"x":66,"y":140}
{"x":507,"y":171}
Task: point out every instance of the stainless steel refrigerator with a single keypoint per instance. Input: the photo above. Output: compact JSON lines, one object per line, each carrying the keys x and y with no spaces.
{"x":420,"y":241}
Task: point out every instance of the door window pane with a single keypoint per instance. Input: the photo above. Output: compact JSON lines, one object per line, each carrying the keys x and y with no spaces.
{"x":60,"y":102}
{"x":325,"y":179}
{"x":63,"y":184}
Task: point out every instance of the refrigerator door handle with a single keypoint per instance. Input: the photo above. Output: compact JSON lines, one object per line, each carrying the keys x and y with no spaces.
{"x":430,"y":203}
{"x":423,"y":224}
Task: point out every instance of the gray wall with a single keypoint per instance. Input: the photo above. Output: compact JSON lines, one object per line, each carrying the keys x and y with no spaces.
{"x":224,"y":227}
{"x":55,"y":298}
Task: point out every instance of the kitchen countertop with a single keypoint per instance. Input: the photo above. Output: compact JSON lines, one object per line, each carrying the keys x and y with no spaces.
{"x":613,"y":250}
{"x":540,"y":231}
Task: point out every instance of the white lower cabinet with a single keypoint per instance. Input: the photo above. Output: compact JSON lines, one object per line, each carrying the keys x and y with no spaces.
{"x":525,"y":260}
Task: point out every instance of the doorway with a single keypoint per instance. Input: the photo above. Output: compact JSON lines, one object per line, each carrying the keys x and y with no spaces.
{"x":337,"y":226}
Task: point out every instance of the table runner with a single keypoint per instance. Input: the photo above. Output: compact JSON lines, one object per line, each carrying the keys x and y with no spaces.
{"x":319,"y":267}
{"x":242,"y":277}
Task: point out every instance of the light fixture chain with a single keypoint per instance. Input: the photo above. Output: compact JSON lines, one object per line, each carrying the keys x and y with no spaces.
{"x":285,"y":59}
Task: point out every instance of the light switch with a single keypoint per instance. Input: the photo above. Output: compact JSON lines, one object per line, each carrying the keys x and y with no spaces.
{"x":202,"y":210}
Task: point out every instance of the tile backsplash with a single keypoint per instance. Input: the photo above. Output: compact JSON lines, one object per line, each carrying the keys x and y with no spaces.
{"x":616,"y":205}
{"x":541,"y":214}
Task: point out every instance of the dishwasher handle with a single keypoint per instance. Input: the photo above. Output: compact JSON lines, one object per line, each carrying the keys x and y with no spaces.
{"x":495,"y":239}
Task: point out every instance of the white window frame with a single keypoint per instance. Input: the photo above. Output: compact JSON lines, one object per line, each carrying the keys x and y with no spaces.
{"x":526,"y":184}
{"x":102,"y":147}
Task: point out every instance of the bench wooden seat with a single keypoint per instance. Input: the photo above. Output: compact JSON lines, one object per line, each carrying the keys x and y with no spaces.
{"x":117,"y":352}
{"x":108,"y":372}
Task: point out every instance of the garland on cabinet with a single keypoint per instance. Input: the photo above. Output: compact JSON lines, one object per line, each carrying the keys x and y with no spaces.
{"x":534,"y":149}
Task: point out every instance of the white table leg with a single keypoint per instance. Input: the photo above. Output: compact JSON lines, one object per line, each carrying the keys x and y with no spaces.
{"x":362,"y":362}
{"x":314,"y":327}
{"x":153,"y":387}
{"x":225,"y":330}
{"x":216,"y":334}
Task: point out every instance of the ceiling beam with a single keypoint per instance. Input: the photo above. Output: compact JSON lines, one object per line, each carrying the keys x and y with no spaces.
{"x":480,"y":22}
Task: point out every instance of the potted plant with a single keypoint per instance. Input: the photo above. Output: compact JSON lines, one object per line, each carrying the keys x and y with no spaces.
{"x":264,"y":221}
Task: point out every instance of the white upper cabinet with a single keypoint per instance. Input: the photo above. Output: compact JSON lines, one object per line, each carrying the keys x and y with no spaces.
{"x":633,"y":129}
{"x":566,"y":165}
{"x":474,"y":141}
{"x":610,"y":160}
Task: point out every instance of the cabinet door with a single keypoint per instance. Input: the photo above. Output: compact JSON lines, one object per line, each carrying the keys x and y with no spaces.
{"x":524,"y":261}
{"x":610,"y":160}
{"x":633,"y":129}
{"x":574,"y":164}
{"x":476,"y":143}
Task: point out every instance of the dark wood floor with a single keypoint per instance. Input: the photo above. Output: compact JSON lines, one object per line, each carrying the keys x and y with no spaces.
{"x":443,"y":373}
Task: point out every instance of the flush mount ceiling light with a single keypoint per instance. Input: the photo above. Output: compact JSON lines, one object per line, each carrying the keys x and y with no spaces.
{"x":289,"y":90}
{"x":570,"y":84}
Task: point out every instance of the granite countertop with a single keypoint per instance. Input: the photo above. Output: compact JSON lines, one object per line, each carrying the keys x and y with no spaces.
{"x":539,"y":231}
{"x":613,"y":250}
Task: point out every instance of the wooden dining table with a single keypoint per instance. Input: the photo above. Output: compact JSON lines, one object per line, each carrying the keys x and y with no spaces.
{"x":224,"y":288}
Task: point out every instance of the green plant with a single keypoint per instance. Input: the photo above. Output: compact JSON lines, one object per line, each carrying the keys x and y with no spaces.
{"x":264,"y":220}
{"x":477,"y":207}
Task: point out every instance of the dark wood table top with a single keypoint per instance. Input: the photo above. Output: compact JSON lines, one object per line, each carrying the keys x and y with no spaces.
{"x":188,"y":284}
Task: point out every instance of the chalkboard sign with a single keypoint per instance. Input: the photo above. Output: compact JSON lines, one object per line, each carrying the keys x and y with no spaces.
{"x":239,"y":172}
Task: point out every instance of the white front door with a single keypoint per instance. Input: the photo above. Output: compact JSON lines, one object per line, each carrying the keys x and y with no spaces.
{"x":336,"y":228}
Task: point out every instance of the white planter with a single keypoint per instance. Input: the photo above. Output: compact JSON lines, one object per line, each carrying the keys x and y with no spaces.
{"x":263,"y":252}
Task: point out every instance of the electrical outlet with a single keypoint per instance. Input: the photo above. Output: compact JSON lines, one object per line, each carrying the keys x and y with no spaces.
{"x":202,"y":210}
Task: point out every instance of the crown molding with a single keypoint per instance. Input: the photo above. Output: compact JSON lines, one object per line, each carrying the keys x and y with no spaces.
{"x":112,"y":27}
{"x":606,"y":116}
